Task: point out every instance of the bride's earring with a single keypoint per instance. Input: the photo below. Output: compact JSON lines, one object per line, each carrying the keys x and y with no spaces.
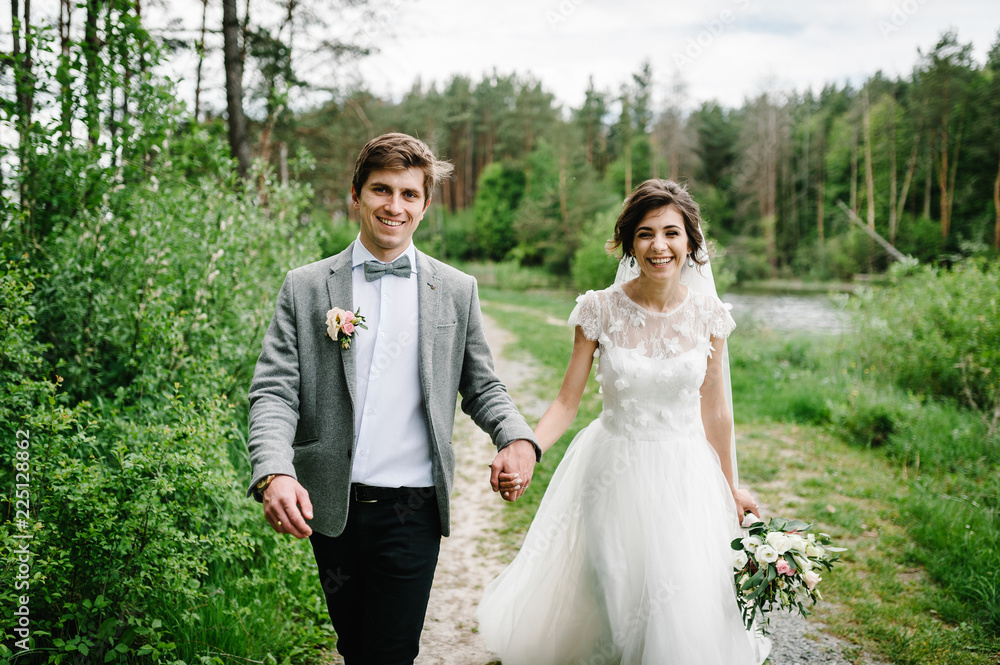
{"x":631,"y":262}
{"x":690,"y":261}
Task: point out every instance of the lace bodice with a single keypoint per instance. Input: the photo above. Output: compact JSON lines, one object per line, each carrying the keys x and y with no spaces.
{"x":651,"y":365}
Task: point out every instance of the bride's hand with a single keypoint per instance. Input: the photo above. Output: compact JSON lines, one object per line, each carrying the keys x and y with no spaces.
{"x":510,"y":486}
{"x":745,"y":503}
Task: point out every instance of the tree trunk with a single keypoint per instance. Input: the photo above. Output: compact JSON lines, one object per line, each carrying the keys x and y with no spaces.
{"x":854,"y":171}
{"x":928,"y":183}
{"x":92,"y":49}
{"x":907,"y":179}
{"x":29,"y":79}
{"x":820,"y":195}
{"x":628,"y":167}
{"x":239,"y":145}
{"x":201,"y":61}
{"x":869,"y":178}
{"x":892,"y":171}
{"x":996,"y":207}
{"x":64,"y":76}
{"x":563,"y":194}
{"x":943,"y":171}
{"x":112,"y":121}
{"x":283,"y":163}
{"x":954,"y":167}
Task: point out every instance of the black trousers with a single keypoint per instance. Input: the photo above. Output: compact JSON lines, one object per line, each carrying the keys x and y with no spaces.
{"x":377,"y":577}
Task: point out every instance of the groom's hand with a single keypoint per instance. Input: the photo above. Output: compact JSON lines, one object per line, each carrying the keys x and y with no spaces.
{"x":516,"y":462}
{"x":287,"y":507}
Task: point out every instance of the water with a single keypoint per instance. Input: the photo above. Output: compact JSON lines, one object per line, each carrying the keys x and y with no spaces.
{"x":794,"y":313}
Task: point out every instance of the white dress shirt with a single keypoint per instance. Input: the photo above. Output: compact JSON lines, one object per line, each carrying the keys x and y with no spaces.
{"x":392,"y":445}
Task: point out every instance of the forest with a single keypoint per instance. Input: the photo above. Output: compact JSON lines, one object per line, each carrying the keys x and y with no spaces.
{"x":144,"y":234}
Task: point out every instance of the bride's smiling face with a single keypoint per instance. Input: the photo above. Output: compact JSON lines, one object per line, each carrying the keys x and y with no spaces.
{"x":661,"y":243}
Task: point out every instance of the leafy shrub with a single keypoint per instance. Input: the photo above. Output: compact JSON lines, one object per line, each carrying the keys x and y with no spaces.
{"x":871,"y":415}
{"x":937,"y":332}
{"x":498,"y":194}
{"x":745,"y":258}
{"x":144,"y":544}
{"x":593,"y":267}
{"x":335,"y":238}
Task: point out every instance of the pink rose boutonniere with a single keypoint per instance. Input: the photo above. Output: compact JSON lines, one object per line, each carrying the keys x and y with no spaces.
{"x":341,"y":325}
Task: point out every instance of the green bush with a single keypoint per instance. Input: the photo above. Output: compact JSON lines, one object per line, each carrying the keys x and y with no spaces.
{"x":131,"y":387}
{"x":937,"y":332}
{"x":745,"y":259}
{"x":335,"y":238}
{"x":871,"y":415}
{"x":593,"y":267}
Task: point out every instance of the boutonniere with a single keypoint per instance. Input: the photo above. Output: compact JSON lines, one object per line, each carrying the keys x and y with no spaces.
{"x":342,"y":324}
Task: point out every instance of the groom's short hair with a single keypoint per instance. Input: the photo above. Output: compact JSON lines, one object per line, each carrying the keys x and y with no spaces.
{"x":399,"y":151}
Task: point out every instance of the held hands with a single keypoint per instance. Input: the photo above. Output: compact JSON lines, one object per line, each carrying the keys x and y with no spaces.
{"x":283,"y":499}
{"x":511,"y":469}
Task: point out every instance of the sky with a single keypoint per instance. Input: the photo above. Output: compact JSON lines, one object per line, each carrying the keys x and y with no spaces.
{"x":721,"y":49}
{"x":726,"y":50}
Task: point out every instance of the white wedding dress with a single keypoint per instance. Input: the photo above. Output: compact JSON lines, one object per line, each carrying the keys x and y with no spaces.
{"x":628,"y":560}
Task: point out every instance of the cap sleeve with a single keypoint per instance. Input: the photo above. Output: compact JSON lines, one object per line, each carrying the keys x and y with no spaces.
{"x":720,"y":321}
{"x":587,"y":315}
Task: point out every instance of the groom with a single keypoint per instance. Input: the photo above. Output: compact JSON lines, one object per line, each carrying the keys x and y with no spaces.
{"x":350,"y":438}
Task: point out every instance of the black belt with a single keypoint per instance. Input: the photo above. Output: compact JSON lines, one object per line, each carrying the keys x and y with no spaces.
{"x":370,"y":494}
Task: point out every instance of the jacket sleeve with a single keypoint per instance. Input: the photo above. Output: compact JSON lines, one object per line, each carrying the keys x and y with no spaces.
{"x":484,"y":396}
{"x":274,"y":393}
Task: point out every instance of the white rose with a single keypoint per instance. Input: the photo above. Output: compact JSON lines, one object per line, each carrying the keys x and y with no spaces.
{"x":797,"y":542}
{"x":751,"y":543}
{"x":811,"y":578}
{"x":767,"y":554}
{"x":815,"y":551}
{"x":779,"y":541}
{"x":740,"y":559}
{"x":750,"y":519}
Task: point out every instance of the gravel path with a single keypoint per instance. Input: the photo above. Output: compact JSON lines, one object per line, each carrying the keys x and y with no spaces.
{"x":472,"y":556}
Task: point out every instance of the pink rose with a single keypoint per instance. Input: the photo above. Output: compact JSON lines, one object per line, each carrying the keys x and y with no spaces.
{"x":348,"y":327}
{"x":784,"y":568}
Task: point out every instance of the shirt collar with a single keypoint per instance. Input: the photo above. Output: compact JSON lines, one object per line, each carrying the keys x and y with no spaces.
{"x":360,"y":254}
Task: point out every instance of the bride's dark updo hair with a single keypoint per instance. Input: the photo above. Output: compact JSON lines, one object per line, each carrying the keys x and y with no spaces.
{"x":653,"y":195}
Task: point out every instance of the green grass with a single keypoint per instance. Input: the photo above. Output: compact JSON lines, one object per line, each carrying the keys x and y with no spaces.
{"x":894,"y":478}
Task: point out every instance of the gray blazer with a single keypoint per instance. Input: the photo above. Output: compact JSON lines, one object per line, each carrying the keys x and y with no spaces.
{"x":302,"y":396}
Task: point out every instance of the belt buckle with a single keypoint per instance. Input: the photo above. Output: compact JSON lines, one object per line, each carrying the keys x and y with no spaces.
{"x":359,"y":499}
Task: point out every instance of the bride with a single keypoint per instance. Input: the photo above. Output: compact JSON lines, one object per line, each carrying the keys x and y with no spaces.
{"x":628,"y":560}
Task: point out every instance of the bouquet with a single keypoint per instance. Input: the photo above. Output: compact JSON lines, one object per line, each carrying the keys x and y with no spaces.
{"x":777,"y":566}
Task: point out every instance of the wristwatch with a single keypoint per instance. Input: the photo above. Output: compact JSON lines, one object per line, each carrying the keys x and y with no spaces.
{"x":258,"y":489}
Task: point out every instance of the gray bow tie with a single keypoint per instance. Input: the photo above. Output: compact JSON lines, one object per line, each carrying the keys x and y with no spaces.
{"x":376,"y":269}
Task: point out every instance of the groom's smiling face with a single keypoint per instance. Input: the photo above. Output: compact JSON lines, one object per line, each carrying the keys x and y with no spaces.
{"x":391,"y":204}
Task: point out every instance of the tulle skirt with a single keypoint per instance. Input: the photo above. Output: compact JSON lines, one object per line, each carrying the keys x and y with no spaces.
{"x":626,"y":562}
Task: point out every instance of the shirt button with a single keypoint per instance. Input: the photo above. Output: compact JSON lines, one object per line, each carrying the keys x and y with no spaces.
{"x":381,"y":333}
{"x":385,"y":297}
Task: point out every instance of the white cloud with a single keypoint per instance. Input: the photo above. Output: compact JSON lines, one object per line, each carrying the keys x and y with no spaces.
{"x":745,"y":45}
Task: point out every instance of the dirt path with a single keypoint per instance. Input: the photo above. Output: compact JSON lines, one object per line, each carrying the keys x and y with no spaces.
{"x":472,"y":555}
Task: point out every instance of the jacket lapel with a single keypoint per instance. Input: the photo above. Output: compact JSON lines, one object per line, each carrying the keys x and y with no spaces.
{"x":428,"y":294}
{"x":341,"y":291}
